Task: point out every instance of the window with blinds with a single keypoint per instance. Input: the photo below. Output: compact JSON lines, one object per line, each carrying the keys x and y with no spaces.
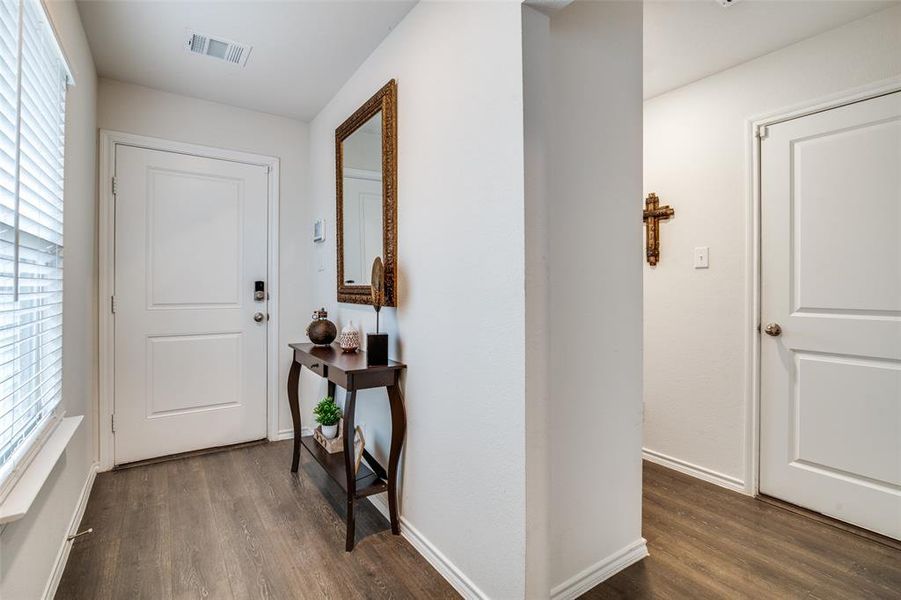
{"x":33,"y":79}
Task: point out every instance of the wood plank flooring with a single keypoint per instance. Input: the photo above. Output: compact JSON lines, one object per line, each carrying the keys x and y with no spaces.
{"x":237,"y":524}
{"x":708,"y":542}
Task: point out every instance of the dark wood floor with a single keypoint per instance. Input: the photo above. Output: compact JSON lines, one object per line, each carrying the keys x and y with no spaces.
{"x":708,"y":542}
{"x":236,"y":524}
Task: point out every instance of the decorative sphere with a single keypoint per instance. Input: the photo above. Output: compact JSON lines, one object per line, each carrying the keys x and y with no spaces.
{"x":322,"y":332}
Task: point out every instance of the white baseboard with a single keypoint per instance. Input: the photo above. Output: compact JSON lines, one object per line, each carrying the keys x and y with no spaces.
{"x":454,"y":576}
{"x":600,"y":571}
{"x":63,"y":555}
{"x":288,"y":434}
{"x":703,"y":473}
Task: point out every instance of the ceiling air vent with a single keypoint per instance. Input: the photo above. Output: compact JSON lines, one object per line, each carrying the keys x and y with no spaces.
{"x":217,"y":47}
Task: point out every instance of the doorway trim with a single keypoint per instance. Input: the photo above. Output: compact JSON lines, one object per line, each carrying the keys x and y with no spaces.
{"x":755,"y":128}
{"x":106,"y":228}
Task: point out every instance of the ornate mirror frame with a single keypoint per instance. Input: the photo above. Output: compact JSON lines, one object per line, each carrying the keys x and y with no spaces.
{"x":385,"y":100}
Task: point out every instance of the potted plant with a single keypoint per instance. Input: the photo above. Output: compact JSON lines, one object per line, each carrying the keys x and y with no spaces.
{"x":328,"y":414}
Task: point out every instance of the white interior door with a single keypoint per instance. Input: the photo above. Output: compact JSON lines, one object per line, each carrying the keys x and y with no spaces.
{"x":190,"y":360}
{"x":831,"y":277}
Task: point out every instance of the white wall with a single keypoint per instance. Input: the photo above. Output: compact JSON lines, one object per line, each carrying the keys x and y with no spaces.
{"x":459,"y":321}
{"x":135,"y":109}
{"x":697,"y":160}
{"x":536,"y":72}
{"x":29,"y":547}
{"x":594,"y":254}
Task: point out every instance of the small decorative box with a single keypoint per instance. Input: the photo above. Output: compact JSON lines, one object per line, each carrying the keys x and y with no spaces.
{"x":334,"y":445}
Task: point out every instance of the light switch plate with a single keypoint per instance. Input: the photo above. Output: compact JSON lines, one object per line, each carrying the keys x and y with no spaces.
{"x":702,"y":258}
{"x":319,"y":230}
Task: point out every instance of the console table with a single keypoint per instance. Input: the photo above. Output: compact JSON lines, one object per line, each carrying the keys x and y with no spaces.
{"x":351,"y":372}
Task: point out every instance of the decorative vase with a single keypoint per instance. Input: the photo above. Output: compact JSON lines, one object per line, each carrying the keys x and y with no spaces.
{"x":349,"y":340}
{"x":321,"y":331}
{"x":329,"y":431}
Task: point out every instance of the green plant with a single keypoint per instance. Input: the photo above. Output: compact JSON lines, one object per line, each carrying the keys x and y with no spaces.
{"x":327,"y":412}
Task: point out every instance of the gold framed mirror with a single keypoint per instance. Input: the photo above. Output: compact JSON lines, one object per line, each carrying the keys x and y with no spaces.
{"x":366,"y":198}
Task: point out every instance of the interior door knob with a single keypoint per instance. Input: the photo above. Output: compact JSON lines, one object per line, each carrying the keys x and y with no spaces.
{"x":258,"y":317}
{"x":773,"y":329}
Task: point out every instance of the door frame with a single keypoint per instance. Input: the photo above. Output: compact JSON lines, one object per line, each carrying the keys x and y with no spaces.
{"x":755,"y":130}
{"x":107,"y":252}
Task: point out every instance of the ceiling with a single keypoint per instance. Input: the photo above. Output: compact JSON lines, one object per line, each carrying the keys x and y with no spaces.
{"x":303,"y":52}
{"x":686,"y":40}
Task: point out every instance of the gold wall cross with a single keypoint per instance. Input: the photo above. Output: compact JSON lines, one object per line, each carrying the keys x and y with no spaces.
{"x":653,"y":214}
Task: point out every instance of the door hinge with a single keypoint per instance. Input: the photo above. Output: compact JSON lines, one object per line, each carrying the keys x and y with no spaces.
{"x":762,"y":132}
{"x":113,"y":422}
{"x":115,"y":187}
{"x":112,"y":304}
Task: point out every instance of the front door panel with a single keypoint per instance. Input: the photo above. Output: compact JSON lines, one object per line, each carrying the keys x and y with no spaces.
{"x":190,"y":368}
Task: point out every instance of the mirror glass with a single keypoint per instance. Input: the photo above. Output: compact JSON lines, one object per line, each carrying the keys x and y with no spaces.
{"x":362,"y":204}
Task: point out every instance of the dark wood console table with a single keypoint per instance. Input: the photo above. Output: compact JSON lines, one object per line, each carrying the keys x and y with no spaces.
{"x":351,"y":373}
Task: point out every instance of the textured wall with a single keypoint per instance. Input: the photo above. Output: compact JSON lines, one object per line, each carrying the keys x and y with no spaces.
{"x":460,"y":315}
{"x":594,"y":241}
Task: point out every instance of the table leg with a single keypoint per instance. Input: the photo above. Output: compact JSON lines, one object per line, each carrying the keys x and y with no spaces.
{"x":293,"y":402}
{"x":349,"y":434}
{"x":398,"y":431}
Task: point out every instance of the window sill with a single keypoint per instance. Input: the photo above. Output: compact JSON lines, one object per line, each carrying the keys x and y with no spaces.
{"x":26,"y":489}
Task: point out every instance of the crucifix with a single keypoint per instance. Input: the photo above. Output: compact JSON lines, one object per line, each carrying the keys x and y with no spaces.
{"x":653,"y":214}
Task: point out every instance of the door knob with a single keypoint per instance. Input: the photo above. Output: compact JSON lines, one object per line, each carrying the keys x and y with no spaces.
{"x":773,"y":329}
{"x":258,"y":317}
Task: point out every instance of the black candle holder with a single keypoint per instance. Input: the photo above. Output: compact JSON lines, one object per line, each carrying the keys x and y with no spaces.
{"x":376,"y":349}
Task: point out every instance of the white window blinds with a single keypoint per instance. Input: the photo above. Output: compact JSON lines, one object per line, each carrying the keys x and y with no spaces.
{"x":33,"y":80}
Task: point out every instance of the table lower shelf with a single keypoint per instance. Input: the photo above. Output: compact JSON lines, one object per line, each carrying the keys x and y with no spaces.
{"x":367,"y":482}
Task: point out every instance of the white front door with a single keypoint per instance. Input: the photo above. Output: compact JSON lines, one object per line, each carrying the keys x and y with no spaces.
{"x":831,"y":278}
{"x":190,"y":360}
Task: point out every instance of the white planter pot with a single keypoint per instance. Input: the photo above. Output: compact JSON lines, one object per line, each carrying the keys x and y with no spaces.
{"x":330,"y":431}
